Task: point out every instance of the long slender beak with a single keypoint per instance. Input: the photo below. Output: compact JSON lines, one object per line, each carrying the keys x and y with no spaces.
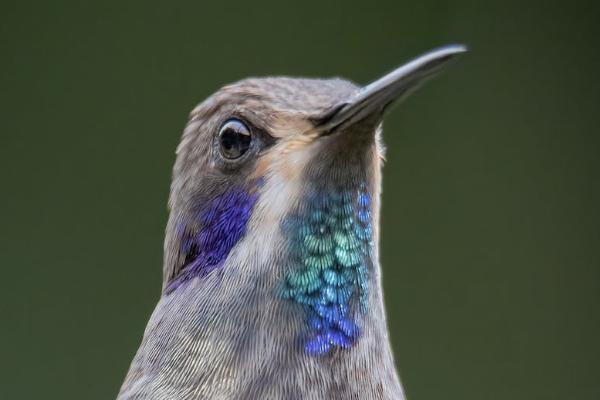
{"x":374,"y":98}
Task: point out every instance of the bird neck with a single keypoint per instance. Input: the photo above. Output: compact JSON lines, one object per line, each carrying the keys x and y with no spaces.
{"x":295,"y":308}
{"x":330,"y":265}
{"x":303,"y":296}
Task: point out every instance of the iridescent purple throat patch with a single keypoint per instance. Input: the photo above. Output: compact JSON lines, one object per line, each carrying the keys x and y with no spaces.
{"x":223,"y":223}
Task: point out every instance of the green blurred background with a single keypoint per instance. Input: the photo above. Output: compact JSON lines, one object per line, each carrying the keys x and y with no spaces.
{"x":490,"y":209}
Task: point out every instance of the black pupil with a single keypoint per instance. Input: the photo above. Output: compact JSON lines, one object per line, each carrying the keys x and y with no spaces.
{"x":235,"y":139}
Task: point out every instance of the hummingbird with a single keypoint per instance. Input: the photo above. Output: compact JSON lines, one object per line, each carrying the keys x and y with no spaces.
{"x":271,"y":275}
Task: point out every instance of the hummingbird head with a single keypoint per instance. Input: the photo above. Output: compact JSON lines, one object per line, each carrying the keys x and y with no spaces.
{"x":271,"y":275}
{"x":275,"y":199}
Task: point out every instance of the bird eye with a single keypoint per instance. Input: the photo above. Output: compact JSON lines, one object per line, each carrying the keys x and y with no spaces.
{"x":234,"y":139}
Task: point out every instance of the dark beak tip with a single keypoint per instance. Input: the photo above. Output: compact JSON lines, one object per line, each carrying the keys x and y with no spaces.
{"x":453,"y":52}
{"x":455,"y":48}
{"x":375,"y":97}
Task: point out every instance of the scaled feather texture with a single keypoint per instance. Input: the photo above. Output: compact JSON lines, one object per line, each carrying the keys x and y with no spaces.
{"x":330,"y":247}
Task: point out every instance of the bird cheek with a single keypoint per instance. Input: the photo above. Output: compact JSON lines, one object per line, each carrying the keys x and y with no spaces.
{"x":285,"y":161}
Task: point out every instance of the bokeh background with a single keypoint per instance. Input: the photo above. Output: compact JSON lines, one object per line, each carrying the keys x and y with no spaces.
{"x":490,"y":208}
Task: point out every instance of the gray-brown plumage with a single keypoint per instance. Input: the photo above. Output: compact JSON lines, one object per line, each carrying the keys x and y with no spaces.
{"x":271,"y":274}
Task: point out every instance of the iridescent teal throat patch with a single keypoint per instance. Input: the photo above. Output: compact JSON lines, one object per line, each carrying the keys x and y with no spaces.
{"x":330,"y":245}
